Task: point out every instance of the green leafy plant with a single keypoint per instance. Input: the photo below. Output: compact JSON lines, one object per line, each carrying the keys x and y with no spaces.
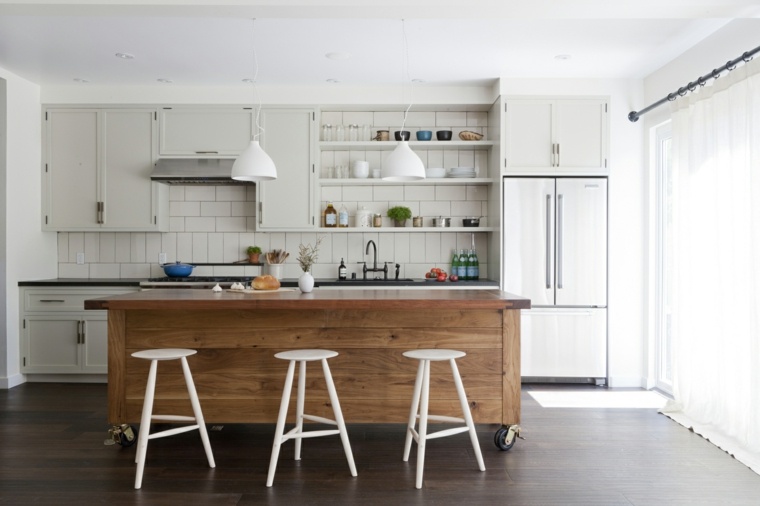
{"x":307,"y":255}
{"x":253,"y":249}
{"x":399,"y":213}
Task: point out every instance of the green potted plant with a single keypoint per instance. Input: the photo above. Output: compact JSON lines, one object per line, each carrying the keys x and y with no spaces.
{"x":399,"y":215}
{"x":254,"y":252}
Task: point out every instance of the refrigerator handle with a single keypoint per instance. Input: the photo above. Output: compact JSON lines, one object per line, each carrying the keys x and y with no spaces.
{"x":560,"y":231}
{"x":548,"y":241}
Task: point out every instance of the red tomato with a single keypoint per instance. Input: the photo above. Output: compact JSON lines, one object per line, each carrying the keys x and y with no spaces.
{"x":442,"y":277}
{"x":453,"y":277}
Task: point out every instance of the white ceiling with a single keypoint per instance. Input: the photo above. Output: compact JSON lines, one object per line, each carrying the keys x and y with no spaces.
{"x":195,"y":42}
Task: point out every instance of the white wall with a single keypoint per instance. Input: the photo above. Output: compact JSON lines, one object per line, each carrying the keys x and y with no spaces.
{"x":29,"y":253}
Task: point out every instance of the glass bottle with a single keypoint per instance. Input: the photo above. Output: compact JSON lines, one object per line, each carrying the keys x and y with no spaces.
{"x":342,"y":270}
{"x":462,"y":270}
{"x":366,"y":133}
{"x":327,"y":132}
{"x":353,"y":132}
{"x":343,"y":216}
{"x":331,"y":216}
{"x":473,"y":267}
{"x":455,"y":263}
{"x":339,"y":133}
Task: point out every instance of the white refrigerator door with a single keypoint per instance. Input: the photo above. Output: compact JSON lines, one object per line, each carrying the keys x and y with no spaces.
{"x":528,"y":244}
{"x":581,"y":242}
{"x":564,"y":343}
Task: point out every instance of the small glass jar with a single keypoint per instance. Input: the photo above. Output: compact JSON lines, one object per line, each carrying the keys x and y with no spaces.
{"x":366,"y":133}
{"x":340,"y":135}
{"x":327,"y":133}
{"x":417,"y":221}
{"x":353,"y":133}
{"x":377,"y":220}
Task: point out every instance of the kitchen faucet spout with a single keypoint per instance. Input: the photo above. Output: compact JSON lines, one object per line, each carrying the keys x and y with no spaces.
{"x":374,"y":250}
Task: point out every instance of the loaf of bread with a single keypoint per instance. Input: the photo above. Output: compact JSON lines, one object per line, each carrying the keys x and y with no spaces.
{"x":265,"y":282}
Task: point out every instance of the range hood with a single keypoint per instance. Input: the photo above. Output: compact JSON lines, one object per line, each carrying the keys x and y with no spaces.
{"x":208,"y":171}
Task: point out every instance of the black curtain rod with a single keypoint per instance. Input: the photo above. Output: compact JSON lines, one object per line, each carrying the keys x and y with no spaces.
{"x":633,"y":116}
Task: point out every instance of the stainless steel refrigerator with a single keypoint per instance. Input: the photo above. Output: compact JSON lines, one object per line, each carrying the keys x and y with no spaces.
{"x":555,"y":252}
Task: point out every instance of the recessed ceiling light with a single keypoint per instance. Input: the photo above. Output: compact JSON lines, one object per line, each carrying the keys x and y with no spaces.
{"x":338,"y":56}
{"x":333,"y":80}
{"x":562,"y":57}
{"x":249,"y":81}
{"x":162,"y":80}
{"x":125,"y":56}
{"x":80,"y":80}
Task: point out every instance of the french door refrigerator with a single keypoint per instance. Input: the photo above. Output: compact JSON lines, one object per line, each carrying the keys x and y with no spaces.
{"x":555,"y":253}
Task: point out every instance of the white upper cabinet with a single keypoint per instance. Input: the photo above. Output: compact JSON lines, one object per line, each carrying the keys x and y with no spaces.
{"x":556,"y":136}
{"x":287,"y":203}
{"x":97,"y":171}
{"x":205,"y":131}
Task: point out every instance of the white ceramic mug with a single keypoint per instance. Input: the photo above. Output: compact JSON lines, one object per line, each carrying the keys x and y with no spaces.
{"x":360,"y":169}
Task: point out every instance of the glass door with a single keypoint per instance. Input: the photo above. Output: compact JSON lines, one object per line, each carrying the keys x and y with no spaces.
{"x":664,"y":259}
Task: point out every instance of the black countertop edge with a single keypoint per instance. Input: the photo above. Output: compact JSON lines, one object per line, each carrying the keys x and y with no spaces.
{"x":287,"y":282}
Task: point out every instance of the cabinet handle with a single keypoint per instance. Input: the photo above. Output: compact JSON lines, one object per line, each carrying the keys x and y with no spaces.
{"x":207,"y":152}
{"x":52,"y":300}
{"x":261,"y":213}
{"x":79,"y":332}
{"x":102,"y":212}
{"x":554,"y":155}
{"x":558,"y":159}
{"x":560,"y":224}
{"x":548,"y":241}
{"x":84,"y":331}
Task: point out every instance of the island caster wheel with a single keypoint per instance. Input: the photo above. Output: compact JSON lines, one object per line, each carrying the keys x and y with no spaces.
{"x":505,"y":438}
{"x":123,"y":435}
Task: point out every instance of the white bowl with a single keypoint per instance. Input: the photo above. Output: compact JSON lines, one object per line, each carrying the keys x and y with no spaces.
{"x":435,"y":172}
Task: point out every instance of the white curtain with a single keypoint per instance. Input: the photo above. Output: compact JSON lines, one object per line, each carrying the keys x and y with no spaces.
{"x":716,"y":314}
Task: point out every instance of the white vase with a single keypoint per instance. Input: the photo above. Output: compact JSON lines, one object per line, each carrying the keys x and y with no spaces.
{"x":306,"y":282}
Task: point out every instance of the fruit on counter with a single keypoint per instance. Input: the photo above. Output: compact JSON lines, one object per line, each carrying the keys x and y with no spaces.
{"x":453,"y":277}
{"x":441,"y":276}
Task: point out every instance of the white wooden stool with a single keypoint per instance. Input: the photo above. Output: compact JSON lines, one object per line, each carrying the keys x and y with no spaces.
{"x":297,"y":433}
{"x":147,"y":414}
{"x":420,"y":408}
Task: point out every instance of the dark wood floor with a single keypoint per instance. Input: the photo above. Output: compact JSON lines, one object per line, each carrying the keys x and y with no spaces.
{"x":52,"y":452}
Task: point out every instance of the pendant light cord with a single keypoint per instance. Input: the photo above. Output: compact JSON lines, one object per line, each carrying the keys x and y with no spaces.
{"x":256,"y":95}
{"x":405,"y":72}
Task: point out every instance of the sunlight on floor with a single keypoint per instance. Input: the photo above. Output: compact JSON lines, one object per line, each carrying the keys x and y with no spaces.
{"x":599,"y":399}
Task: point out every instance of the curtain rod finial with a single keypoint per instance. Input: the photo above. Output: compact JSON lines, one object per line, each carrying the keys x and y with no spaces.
{"x":633,"y":116}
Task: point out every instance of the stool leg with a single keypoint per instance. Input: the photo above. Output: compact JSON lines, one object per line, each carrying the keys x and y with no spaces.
{"x":300,"y":400}
{"x":413,"y":411}
{"x":196,"y":404}
{"x":467,"y":414}
{"x":143,"y":436}
{"x":425,"y":398}
{"x":339,"y":417}
{"x":280,"y":428}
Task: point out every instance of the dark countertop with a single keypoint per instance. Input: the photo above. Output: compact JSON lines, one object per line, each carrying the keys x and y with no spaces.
{"x":135,"y":282}
{"x":373,"y":300}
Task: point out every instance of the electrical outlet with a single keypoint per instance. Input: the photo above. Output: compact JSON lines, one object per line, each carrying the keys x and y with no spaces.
{"x":162,"y":258}
{"x":80,"y":258}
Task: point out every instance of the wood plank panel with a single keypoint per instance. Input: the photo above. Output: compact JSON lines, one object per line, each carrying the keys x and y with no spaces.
{"x":328,"y":337}
{"x":354,"y":410}
{"x":511,"y":369}
{"x":116,"y":365}
{"x":274,"y":318}
{"x":367,"y":386}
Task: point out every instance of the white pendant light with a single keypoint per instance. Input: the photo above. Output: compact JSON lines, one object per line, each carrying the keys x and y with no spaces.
{"x":403,"y":164}
{"x":254,"y":164}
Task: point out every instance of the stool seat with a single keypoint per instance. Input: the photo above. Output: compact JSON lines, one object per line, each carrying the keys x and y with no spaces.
{"x":306,"y":355}
{"x":421,"y":401}
{"x":196,"y":422}
{"x":164,"y":354}
{"x":297,"y":433}
{"x":435,"y":354}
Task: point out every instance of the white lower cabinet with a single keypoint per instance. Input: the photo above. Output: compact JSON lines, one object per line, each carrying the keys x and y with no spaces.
{"x":58,"y":336}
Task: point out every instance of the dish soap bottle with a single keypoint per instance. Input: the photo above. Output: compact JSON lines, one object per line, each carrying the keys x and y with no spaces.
{"x":343,"y":216}
{"x":342,"y":270}
{"x":331,"y":216}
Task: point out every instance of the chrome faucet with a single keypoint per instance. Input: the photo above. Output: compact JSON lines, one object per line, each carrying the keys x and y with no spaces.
{"x":374,"y":267}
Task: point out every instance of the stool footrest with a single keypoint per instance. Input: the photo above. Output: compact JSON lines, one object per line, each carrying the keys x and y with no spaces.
{"x":442,"y":418}
{"x":312,"y":433}
{"x":172,"y":432}
{"x":315,"y":418}
{"x":173,"y":418}
{"x":446,"y":432}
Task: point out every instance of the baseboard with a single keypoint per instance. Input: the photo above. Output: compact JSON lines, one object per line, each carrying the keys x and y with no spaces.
{"x":12,"y":381}
{"x":628,"y":382}
{"x":67,"y":378}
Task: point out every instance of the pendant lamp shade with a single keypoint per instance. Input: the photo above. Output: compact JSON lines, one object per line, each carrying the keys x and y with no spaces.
{"x":254,"y":164}
{"x":403,"y":164}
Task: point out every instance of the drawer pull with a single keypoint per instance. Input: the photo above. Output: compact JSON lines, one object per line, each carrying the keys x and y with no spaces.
{"x":52,"y":300}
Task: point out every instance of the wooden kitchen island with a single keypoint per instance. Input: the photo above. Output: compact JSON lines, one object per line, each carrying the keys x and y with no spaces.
{"x":237,"y":334}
